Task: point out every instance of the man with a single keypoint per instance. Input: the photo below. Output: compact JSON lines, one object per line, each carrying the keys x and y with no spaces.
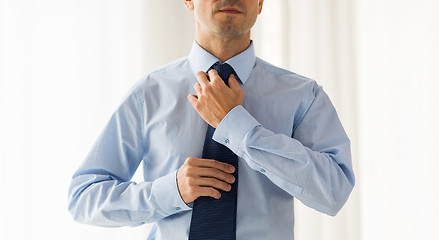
{"x":280,"y":128}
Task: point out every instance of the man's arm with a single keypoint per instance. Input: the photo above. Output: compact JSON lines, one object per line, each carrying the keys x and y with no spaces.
{"x":314,"y":165}
{"x":101,"y":192}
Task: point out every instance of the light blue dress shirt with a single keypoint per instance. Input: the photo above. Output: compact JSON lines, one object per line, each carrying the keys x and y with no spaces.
{"x":287,"y":135}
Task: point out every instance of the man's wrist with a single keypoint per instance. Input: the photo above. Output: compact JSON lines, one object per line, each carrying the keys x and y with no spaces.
{"x":167,"y":195}
{"x":233,"y":128}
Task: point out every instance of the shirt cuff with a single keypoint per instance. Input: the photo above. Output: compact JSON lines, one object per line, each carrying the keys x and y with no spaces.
{"x":167,"y":196}
{"x":233,"y":128}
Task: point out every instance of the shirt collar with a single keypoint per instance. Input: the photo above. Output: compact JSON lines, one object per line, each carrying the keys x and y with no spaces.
{"x":201,"y":60}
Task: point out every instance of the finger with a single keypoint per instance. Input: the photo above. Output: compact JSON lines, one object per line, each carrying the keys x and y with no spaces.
{"x":209,"y":192}
{"x":193,"y":99}
{"x":211,"y":163}
{"x":215,"y":173}
{"x":214,"y":76}
{"x":213,"y":182}
{"x":233,"y":82}
{"x":202,"y":78}
{"x":197,"y":87}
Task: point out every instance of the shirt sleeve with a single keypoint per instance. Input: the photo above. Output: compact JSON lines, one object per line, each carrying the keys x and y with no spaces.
{"x":101,"y":192}
{"x":314,"y":165}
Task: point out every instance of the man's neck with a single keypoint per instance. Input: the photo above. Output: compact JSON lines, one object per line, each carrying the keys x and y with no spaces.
{"x":222,"y":48}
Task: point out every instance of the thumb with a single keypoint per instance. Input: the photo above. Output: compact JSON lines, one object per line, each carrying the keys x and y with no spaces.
{"x":233,"y":83}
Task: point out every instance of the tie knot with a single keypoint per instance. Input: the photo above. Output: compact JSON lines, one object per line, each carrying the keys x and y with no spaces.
{"x":224,"y":70}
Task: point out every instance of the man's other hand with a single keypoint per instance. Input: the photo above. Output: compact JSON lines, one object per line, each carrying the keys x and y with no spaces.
{"x":202,"y":177}
{"x":214,"y":99}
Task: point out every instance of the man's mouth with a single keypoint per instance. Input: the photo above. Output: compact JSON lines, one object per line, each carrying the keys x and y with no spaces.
{"x":230,"y":10}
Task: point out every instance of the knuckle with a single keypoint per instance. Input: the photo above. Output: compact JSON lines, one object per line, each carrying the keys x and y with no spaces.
{"x":200,"y":74}
{"x":209,"y":182}
{"x":212,"y":191}
{"x":221,"y":185}
{"x":190,"y":170}
{"x":213,"y":172}
{"x":190,"y":181}
{"x":216,"y":81}
{"x":190,"y":160}
{"x":214,"y":163}
{"x":225,"y":166}
{"x":215,"y":183}
{"x":205,"y":191}
{"x":185,"y":171}
{"x":227,"y":177}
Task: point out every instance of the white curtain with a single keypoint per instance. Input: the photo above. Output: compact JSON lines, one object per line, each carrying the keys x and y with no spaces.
{"x":314,"y":38}
{"x":397,"y":74}
{"x":65,"y":65}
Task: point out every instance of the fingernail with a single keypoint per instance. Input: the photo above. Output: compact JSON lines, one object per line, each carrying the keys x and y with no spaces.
{"x":231,"y":168}
{"x":232,"y":178}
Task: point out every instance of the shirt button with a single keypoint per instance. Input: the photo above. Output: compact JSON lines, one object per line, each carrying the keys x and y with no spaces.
{"x":227,"y":141}
{"x":262,"y":170}
{"x":178,"y":208}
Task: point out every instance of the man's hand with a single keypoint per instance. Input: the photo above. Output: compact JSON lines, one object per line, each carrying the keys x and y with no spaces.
{"x":214,"y":99}
{"x":202,"y":177}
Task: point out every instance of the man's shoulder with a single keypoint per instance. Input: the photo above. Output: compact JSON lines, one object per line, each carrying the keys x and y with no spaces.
{"x":166,"y":73}
{"x":169,"y":70}
{"x":180,"y":64}
{"x":281,"y":74}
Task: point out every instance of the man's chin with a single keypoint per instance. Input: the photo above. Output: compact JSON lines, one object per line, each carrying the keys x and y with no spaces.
{"x":230,"y":22}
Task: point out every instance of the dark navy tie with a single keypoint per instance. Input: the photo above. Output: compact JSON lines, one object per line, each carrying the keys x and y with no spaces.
{"x":215,"y":219}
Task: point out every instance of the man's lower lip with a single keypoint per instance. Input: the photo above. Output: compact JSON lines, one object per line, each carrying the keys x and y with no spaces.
{"x":232,"y":12}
